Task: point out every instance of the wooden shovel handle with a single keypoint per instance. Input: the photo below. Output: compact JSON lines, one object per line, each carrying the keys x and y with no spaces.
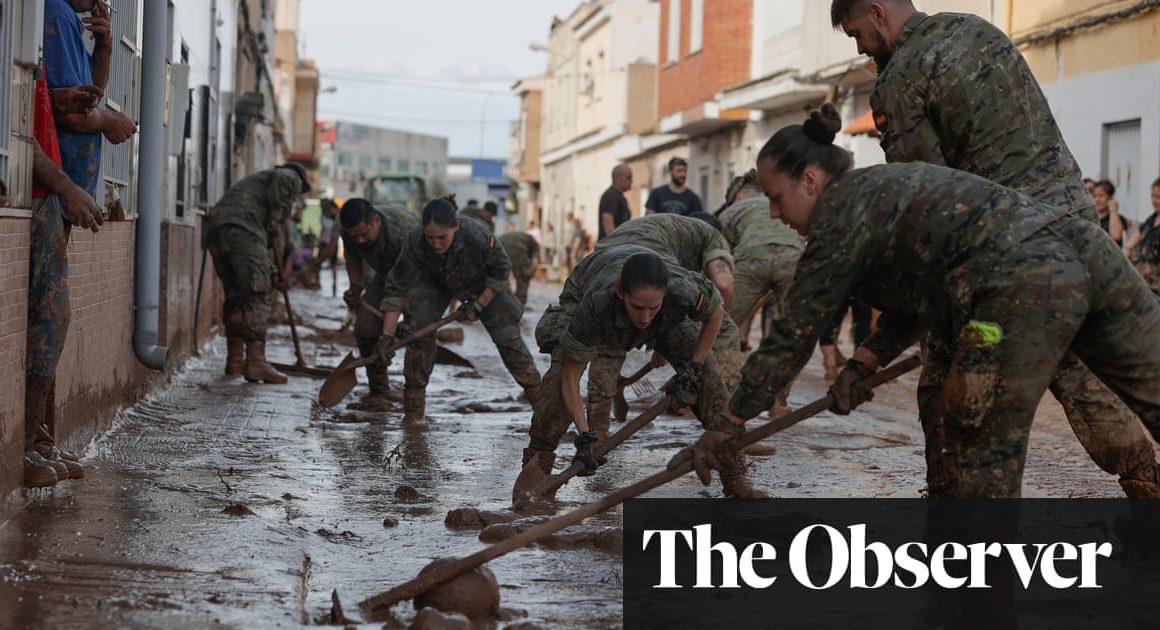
{"x":377,"y":606}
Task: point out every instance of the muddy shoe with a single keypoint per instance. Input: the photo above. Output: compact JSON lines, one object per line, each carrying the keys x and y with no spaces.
{"x":58,"y":467}
{"x":371,"y":403}
{"x":38,"y":475}
{"x":257,"y":368}
{"x":54,"y":454}
{"x":235,"y":356}
{"x":1141,"y":488}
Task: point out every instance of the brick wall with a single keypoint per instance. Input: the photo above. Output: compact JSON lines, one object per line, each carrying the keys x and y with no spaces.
{"x":13,"y":323}
{"x":98,"y":373}
{"x":722,"y":61}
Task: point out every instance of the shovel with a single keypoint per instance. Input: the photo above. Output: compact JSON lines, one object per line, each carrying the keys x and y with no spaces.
{"x":377,"y":607}
{"x":443,"y":355}
{"x":531,"y":482}
{"x":299,"y":366}
{"x":342,"y":380}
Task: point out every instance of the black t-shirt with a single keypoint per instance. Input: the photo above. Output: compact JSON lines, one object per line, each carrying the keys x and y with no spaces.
{"x":613,"y":202}
{"x":662,"y":199}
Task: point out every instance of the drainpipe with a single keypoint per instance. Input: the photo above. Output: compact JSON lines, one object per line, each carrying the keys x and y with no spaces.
{"x":150,"y":174}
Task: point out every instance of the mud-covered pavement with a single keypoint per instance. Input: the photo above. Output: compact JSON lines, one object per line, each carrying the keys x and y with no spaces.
{"x":218,"y":501}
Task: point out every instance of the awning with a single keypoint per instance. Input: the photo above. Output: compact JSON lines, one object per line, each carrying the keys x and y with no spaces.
{"x":863,"y":125}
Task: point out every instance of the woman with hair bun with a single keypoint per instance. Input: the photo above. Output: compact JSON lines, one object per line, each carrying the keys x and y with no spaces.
{"x":1013,"y":283}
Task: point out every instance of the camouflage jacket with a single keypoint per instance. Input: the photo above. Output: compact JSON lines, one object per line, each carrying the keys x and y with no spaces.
{"x":748,"y":227}
{"x":691,"y":243}
{"x":957,"y":92}
{"x":473,"y":213}
{"x":521,"y":248}
{"x":397,"y":225}
{"x":593,"y":317}
{"x":912,"y":240}
{"x":474,"y":262}
{"x":259,"y":203}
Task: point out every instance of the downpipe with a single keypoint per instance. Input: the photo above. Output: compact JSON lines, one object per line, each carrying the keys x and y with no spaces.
{"x":151,"y":161}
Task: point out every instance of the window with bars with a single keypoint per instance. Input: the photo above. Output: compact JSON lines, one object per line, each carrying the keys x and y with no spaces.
{"x":6,"y":19}
{"x":122,"y":94}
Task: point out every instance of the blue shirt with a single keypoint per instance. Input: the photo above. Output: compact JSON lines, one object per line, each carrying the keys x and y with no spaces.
{"x":68,"y":64}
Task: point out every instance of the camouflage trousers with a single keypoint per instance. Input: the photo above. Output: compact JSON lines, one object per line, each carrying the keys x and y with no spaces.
{"x":368,"y":327}
{"x":1067,"y":287}
{"x":757,"y":271}
{"x":426,"y":303}
{"x":523,"y":281}
{"x":242,"y":263}
{"x":550,"y":419}
{"x":48,"y":313}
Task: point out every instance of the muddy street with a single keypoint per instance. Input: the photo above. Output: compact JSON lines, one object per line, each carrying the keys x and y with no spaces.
{"x":218,"y":501}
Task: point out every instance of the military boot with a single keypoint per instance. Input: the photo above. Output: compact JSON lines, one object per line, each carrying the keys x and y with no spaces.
{"x":38,"y":474}
{"x":834,"y":361}
{"x":59,"y":468}
{"x":414,"y":403}
{"x":235,"y":356}
{"x":380,"y":391}
{"x":736,"y":485}
{"x":257,"y":368}
{"x":545,"y":459}
{"x":1142,"y":484}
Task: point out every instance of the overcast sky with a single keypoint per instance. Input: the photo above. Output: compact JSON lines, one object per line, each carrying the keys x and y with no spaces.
{"x":430,"y":66}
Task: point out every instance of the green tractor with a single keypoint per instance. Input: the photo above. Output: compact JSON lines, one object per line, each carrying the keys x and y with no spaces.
{"x":406,"y":191}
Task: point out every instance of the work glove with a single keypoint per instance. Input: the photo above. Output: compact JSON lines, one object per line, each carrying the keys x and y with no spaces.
{"x":847,"y":391}
{"x":685,"y":387}
{"x":714,"y":450}
{"x":384,"y":349}
{"x":468,"y":311}
{"x":353,"y":296}
{"x":585,"y":443}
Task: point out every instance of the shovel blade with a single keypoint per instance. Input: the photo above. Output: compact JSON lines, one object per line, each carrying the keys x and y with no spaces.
{"x":446,"y":356}
{"x":527,"y":482}
{"x":340,"y":383}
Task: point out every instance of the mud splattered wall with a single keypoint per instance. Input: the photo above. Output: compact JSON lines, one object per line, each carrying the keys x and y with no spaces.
{"x":13,"y":321}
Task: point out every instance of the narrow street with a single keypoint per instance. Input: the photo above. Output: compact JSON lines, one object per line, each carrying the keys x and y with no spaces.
{"x":220,"y":502}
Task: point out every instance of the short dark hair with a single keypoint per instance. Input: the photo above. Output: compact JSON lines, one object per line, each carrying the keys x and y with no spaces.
{"x":796,"y":147}
{"x":355,"y":211}
{"x":840,"y":10}
{"x":472,"y":202}
{"x":491,"y":207}
{"x":1156,"y":184}
{"x":644,"y":270}
{"x":708,"y":218}
{"x":677,"y":161}
{"x":1108,"y":187}
{"x":440,"y":212}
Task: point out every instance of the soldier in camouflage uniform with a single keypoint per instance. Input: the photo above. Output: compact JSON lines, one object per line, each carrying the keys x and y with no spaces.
{"x":953,"y":89}
{"x":372,"y":239}
{"x":243,"y":228}
{"x":696,"y":245}
{"x":524,"y":252}
{"x":1012,"y":281}
{"x":619,"y":298}
{"x":450,"y":258}
{"x":485,"y":214}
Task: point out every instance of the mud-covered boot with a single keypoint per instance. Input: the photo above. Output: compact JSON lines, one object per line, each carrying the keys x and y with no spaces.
{"x":414,"y":404}
{"x":834,"y":361}
{"x":235,"y":356}
{"x":54,"y":454}
{"x":58,"y":467}
{"x":1142,"y":484}
{"x":378,"y":399}
{"x":38,"y":473}
{"x":735,"y":482}
{"x":257,"y":368}
{"x":545,"y":459}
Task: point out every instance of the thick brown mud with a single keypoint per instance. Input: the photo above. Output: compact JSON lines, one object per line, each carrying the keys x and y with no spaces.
{"x":216,"y":501}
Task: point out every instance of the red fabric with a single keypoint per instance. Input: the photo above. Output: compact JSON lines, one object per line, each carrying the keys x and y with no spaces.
{"x":44,"y":128}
